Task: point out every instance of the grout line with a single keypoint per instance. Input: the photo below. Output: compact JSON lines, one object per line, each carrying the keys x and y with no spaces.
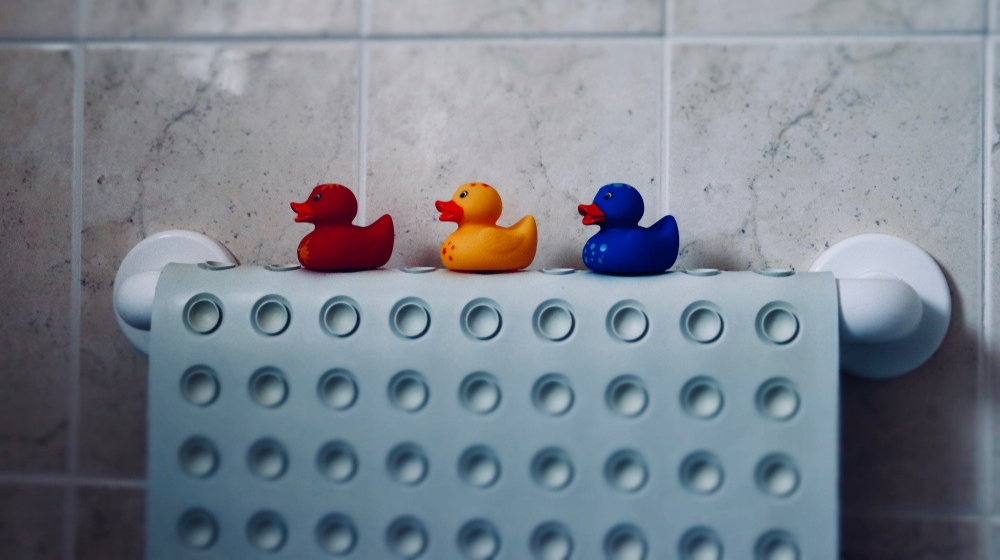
{"x":984,"y":404}
{"x":665,"y":84}
{"x":364,"y":18}
{"x":363,"y":116}
{"x":70,"y":520}
{"x":584,"y":37}
{"x":38,"y":44}
{"x":668,"y":18}
{"x":41,"y":479}
{"x":986,"y":320}
{"x":361,"y":218}
{"x":98,"y":482}
{"x":73,"y":406}
{"x":340,"y":38}
{"x":834,"y":34}
{"x":927,"y":514}
{"x":820,"y":38}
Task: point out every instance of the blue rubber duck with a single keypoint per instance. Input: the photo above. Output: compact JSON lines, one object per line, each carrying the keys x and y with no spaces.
{"x":623,"y":246}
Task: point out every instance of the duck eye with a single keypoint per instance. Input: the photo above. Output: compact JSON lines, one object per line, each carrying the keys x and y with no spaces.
{"x":316,"y":198}
{"x":607,"y":196}
{"x":464,"y":194}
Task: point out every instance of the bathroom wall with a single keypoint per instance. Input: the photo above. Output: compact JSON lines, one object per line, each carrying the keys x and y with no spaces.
{"x":770,"y":129}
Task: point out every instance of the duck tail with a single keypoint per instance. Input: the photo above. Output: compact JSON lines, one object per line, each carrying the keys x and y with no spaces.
{"x":666,"y":224}
{"x":526,"y":228}
{"x":384,"y":222}
{"x":666,"y":230}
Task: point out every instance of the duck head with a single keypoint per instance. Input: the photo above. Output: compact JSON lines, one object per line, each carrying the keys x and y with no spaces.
{"x":327,"y":204}
{"x":476,"y":203}
{"x":616,"y":204}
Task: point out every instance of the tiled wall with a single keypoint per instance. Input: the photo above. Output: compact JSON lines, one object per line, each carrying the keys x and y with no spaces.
{"x":771,"y":129}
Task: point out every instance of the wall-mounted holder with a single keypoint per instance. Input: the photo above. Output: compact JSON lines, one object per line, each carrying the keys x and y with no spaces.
{"x":895,"y":304}
{"x":135,"y":283}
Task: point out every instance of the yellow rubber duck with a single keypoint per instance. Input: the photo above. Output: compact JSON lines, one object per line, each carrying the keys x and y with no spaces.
{"x":480,"y":244}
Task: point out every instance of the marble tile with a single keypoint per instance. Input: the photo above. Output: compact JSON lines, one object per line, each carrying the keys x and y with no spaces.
{"x":546,"y":125}
{"x":36,"y":203}
{"x":172,"y":18}
{"x":992,"y":245}
{"x":770,"y":16}
{"x":863,"y":538}
{"x":111,"y":524}
{"x":207,"y":138}
{"x":517,"y":16}
{"x":777,"y":152}
{"x":37,"y":18}
{"x":995,"y":538}
{"x":31,"y":522}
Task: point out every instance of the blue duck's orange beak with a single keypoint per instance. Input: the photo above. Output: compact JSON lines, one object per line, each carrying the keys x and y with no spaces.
{"x":302,"y":209}
{"x":450,"y":211}
{"x":591,"y":214}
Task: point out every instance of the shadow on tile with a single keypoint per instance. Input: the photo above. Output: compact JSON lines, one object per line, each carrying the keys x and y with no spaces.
{"x":31,"y":522}
{"x":911,"y":440}
{"x":35,"y":253}
{"x":866,"y":538}
{"x":110,"y":524}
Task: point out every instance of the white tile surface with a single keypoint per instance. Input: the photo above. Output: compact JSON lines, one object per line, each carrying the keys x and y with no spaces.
{"x":992,"y":285}
{"x":780,"y":151}
{"x":546,"y":125}
{"x":37,"y":18}
{"x":515,"y":16}
{"x":207,"y":138}
{"x":777,"y":16}
{"x":36,"y":148}
{"x":31,"y":522}
{"x":160,"y":18}
{"x":112,"y":524}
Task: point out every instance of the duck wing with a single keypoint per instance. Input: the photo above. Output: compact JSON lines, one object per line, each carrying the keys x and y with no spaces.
{"x":349,"y":247}
{"x":518,"y":237}
{"x":355,"y":242}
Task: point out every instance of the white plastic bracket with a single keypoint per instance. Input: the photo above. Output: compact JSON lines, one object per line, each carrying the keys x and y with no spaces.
{"x":895,"y":304}
{"x":135,"y":283}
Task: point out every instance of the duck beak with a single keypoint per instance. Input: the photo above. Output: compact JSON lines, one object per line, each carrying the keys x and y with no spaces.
{"x":591,"y":214}
{"x":450,"y":211}
{"x":302,"y":209}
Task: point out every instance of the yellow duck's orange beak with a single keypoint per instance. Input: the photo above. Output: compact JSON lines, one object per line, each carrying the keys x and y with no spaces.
{"x":303,"y":211}
{"x":591,"y":214}
{"x":450,"y":211}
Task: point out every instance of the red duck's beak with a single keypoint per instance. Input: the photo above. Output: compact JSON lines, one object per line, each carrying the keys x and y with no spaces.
{"x":591,"y":214}
{"x":450,"y":211}
{"x":302,"y":209}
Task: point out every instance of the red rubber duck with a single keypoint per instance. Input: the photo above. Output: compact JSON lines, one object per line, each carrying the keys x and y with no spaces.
{"x":336,"y":244}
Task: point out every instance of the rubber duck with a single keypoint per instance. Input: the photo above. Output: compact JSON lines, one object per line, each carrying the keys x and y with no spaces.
{"x":479,"y":244}
{"x":623,"y":246}
{"x":336,"y":244}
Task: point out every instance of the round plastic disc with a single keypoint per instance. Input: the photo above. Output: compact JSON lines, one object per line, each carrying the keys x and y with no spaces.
{"x":159,"y":250}
{"x":878,"y":255}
